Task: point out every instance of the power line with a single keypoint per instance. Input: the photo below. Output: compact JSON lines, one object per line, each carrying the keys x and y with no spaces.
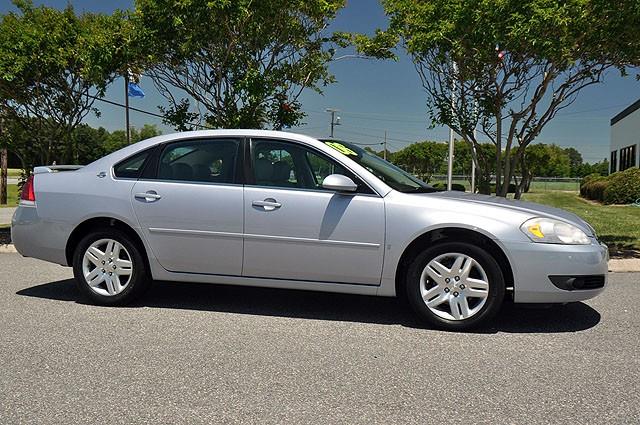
{"x":142,"y":111}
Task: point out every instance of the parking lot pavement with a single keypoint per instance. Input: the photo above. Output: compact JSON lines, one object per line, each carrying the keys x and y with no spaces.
{"x":211,"y":354}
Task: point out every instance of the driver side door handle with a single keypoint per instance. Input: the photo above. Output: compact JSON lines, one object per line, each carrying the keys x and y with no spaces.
{"x":268,"y":204}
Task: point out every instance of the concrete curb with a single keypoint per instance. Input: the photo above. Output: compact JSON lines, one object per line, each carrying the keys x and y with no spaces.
{"x":624,"y":265}
{"x":7,"y":249}
{"x":616,"y":265}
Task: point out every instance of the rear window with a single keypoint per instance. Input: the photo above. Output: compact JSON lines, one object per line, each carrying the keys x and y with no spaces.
{"x":131,"y":168}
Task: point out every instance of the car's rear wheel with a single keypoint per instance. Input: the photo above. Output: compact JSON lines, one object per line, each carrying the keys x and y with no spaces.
{"x":109,"y":268}
{"x":455,"y":285}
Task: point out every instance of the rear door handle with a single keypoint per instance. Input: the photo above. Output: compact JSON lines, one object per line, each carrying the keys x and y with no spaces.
{"x":149,"y":196}
{"x":268,"y":204}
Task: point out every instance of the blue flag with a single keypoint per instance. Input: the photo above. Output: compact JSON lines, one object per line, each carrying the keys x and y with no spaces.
{"x":135,"y":90}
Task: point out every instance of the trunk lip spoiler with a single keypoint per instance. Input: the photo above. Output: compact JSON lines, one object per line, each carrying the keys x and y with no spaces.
{"x":56,"y":168}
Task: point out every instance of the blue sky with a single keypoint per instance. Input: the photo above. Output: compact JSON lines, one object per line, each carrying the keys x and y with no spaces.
{"x":374,"y":96}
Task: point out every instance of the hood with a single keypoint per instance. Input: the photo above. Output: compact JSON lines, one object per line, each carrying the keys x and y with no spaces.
{"x":532,"y":208}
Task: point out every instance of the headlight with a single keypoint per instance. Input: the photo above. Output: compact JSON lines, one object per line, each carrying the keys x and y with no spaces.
{"x":548,"y":230}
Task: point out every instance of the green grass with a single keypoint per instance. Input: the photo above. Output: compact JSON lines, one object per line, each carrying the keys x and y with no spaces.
{"x":535,"y":186}
{"x":616,"y":225}
{"x":543,"y":186}
{"x":12,"y":196}
{"x":13,"y":172}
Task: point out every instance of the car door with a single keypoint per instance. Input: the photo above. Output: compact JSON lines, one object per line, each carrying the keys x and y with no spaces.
{"x":295,"y":229}
{"x":190,"y":208}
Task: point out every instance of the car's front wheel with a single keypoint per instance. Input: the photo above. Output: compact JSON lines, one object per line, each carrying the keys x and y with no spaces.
{"x":455,"y":285}
{"x":109,"y":268}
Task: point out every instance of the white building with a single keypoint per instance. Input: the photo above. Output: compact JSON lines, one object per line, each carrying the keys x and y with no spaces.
{"x":625,"y":136}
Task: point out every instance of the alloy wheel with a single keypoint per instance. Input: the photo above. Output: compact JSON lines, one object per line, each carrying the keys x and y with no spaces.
{"x":454,"y":286}
{"x":107,"y":267}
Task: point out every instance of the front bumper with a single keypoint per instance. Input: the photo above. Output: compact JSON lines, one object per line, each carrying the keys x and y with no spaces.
{"x":533,"y":263}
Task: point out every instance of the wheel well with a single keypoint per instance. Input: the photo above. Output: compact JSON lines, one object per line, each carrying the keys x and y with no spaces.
{"x":102,"y":223}
{"x":451,"y":234}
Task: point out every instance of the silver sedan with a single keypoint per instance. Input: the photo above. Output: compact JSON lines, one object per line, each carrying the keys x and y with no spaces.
{"x":280,"y":210}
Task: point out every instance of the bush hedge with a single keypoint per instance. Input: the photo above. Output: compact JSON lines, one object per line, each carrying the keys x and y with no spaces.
{"x":593,"y":187}
{"x":622,"y":187}
{"x":443,"y":186}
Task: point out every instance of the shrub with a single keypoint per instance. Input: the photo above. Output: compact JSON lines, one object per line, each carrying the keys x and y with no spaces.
{"x":443,"y":186}
{"x":590,"y":177}
{"x":593,"y":187}
{"x":623,"y":187}
{"x":512,"y":188}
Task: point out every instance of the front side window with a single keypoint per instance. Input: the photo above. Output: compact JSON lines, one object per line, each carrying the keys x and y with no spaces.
{"x":289,"y":165}
{"x":393,"y":176}
{"x":211,"y":161}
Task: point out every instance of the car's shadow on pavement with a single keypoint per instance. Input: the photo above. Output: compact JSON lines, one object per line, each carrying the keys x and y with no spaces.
{"x":326,"y":306}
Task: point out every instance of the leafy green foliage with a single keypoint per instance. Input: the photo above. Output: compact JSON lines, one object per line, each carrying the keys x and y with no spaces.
{"x":93,"y":143}
{"x":512,"y":64}
{"x":52,"y":62}
{"x":623,"y":187}
{"x":237,"y":64}
{"x":454,"y":186}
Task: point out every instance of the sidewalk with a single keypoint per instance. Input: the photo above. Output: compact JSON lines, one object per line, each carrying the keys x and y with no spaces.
{"x":5,"y":215}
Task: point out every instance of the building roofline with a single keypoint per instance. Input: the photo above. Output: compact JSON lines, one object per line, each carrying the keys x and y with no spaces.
{"x":626,"y":112}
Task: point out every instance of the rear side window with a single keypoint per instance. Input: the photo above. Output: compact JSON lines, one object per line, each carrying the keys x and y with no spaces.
{"x":131,"y":168}
{"x":212,"y":161}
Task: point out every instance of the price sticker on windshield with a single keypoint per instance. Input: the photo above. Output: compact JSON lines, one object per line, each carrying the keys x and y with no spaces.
{"x":342,"y":148}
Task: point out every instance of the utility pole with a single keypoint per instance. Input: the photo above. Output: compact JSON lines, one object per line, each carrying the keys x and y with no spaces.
{"x":334,"y":120}
{"x":126,"y":105}
{"x":384,"y":152}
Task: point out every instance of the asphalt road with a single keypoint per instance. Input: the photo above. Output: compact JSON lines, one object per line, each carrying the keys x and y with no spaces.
{"x":192,"y":354}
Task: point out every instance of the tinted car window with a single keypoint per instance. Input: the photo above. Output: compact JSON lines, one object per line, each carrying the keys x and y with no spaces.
{"x":211,"y":161}
{"x":283,"y":164}
{"x":131,"y":167}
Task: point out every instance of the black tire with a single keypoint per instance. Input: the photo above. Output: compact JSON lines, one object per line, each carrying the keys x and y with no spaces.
{"x":495,"y":278}
{"x":139,"y":281}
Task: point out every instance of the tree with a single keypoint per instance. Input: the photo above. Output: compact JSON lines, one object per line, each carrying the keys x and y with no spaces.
{"x":424,"y":159}
{"x":542,"y":160}
{"x":236,"y":63}
{"x":53,"y":65}
{"x":575,"y":160}
{"x":118,"y":139}
{"x":511,"y":65}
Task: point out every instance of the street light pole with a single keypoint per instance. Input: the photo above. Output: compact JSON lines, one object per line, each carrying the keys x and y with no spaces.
{"x":334,"y":120}
{"x":126,"y":105}
{"x":384,"y":152}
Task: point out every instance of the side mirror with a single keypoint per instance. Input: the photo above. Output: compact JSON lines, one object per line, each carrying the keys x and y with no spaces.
{"x":339,"y":183}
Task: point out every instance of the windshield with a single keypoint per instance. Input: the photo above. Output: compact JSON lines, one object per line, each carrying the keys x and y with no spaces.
{"x":393,"y":176}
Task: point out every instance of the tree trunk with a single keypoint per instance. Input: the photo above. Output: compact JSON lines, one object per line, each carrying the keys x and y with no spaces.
{"x":3,"y":175}
{"x":498,"y":151}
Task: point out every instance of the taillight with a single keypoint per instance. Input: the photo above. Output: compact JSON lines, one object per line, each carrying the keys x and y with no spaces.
{"x":28,"y":194}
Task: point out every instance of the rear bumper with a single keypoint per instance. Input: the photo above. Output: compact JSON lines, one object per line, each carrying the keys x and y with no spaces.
{"x":533,"y":263}
{"x":34,"y":237}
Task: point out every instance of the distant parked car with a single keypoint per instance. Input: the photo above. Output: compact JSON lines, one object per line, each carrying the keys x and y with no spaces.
{"x":280,"y":210}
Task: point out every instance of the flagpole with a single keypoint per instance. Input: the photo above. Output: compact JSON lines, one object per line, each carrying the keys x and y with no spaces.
{"x":126,"y":105}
